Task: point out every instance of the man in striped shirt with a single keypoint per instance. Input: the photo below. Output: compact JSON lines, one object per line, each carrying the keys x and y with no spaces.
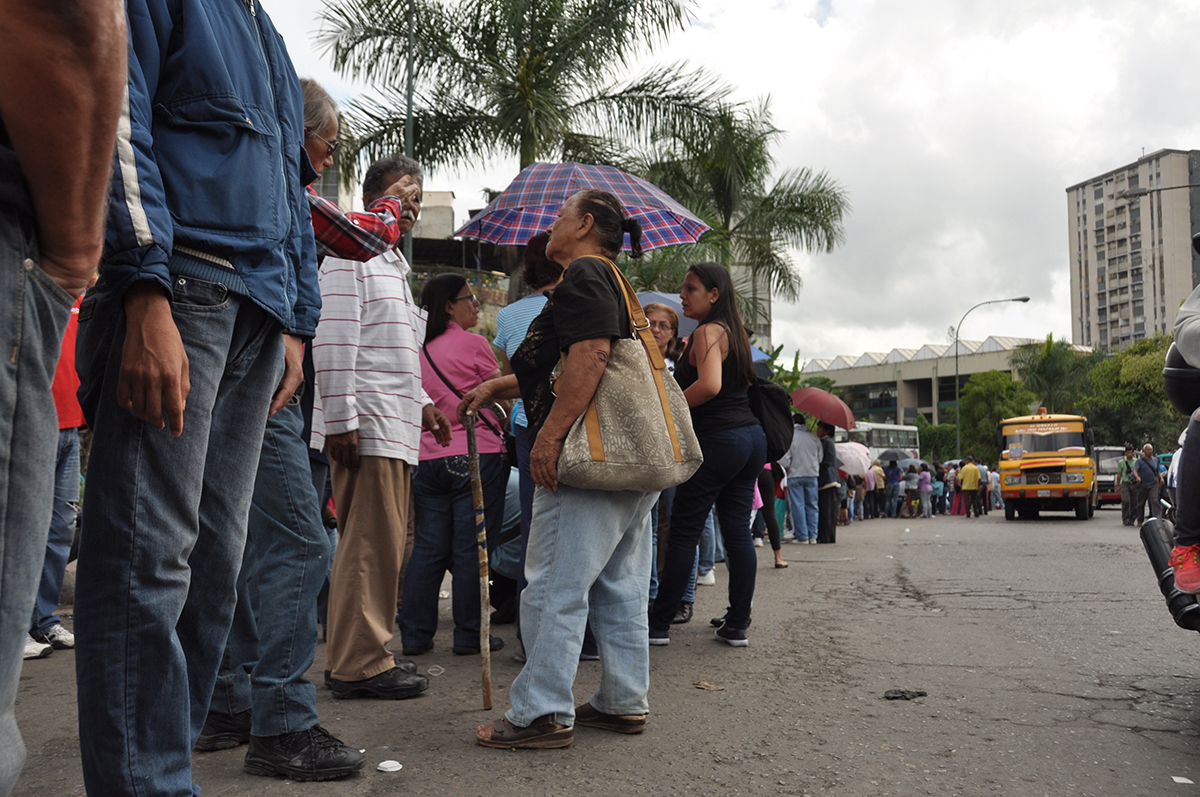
{"x":369,"y":411}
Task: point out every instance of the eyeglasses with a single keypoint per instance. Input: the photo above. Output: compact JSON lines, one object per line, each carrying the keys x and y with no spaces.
{"x":662,"y":325}
{"x":470,"y":296}
{"x":333,"y":145}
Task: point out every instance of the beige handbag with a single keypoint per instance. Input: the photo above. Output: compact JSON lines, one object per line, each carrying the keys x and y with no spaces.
{"x":636,"y":433}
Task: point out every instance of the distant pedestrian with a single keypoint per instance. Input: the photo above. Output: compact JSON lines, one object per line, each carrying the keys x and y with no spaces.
{"x":969,"y":480}
{"x":1127,"y":479}
{"x":828,"y":485}
{"x":925,"y":490}
{"x":802,"y":463}
{"x":1147,"y":475}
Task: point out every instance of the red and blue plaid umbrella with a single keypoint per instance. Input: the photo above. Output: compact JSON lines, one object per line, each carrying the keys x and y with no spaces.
{"x":530,"y":205}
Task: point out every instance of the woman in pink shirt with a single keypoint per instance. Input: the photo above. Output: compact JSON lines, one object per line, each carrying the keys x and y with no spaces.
{"x":453,"y":361}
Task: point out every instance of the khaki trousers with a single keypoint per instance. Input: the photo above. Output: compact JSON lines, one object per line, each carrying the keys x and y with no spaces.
{"x":375,"y":533}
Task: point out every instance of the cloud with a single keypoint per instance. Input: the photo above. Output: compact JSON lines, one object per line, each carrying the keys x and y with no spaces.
{"x":956,"y":129}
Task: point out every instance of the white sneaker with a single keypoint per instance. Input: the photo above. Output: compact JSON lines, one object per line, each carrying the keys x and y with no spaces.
{"x":812,"y":540}
{"x":59,"y":637}
{"x":758,"y":542}
{"x":709,"y":579}
{"x":35,"y":649}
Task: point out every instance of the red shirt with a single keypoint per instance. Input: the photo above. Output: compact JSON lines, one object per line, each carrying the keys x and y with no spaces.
{"x":66,"y":381}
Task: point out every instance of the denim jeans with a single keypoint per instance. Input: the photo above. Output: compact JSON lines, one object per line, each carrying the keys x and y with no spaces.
{"x":62,"y":532}
{"x":33,"y":317}
{"x":1187,"y":509}
{"x":802,"y":499}
{"x":589,"y":551}
{"x":164,"y":527}
{"x":446,"y":540}
{"x":273,"y":638}
{"x":320,"y":482}
{"x":706,"y":551}
{"x":667,"y":498}
{"x":732,"y":460}
{"x":893,"y":498}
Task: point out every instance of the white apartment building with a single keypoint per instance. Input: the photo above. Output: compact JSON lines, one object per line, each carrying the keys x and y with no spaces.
{"x":1131,"y":248}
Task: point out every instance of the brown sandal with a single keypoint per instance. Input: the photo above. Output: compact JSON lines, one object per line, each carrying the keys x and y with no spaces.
{"x":542,"y":734}
{"x":591,"y":717}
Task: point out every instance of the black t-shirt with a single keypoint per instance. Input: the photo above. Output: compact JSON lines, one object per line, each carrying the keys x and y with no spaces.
{"x":729,"y":409}
{"x":587,"y":304}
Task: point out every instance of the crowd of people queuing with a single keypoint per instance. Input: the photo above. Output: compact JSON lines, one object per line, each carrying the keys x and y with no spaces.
{"x":247,"y":353}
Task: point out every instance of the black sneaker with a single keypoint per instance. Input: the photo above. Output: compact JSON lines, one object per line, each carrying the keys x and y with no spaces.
{"x":223,"y":731}
{"x":683,"y":614}
{"x":407,"y":665}
{"x":393,"y":684}
{"x":417,"y":650}
{"x":313,"y":754}
{"x":495,"y":643}
{"x":734,"y":637}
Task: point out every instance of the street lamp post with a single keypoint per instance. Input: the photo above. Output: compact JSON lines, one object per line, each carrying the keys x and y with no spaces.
{"x":957,"y":409}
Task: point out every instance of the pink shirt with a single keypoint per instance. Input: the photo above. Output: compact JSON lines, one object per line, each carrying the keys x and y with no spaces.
{"x":466,"y":359}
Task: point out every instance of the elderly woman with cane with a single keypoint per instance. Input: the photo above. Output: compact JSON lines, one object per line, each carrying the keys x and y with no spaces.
{"x":589,"y":550}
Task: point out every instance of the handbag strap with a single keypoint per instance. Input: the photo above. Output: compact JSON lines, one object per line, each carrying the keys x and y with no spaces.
{"x":641,"y":328}
{"x":455,"y":390}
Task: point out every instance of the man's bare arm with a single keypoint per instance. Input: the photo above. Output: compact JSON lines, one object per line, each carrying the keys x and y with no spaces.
{"x":64,"y":71}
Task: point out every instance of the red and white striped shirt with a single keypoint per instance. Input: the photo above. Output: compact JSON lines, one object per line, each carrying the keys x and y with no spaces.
{"x":366,"y":354}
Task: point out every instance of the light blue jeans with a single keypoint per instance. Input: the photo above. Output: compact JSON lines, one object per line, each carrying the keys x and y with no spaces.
{"x":33,"y":317}
{"x":588,"y":554}
{"x":62,"y":532}
{"x":802,"y":499}
{"x":893,"y":497}
{"x":273,"y":639}
{"x":164,"y":527}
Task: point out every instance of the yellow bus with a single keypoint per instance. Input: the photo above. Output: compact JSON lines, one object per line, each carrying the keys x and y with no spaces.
{"x":1047,"y":463}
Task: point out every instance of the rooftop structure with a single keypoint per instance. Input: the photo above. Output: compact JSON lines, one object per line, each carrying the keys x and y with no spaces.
{"x":897,"y":386}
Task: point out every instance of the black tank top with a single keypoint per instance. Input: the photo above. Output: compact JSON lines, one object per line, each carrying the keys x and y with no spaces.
{"x":729,"y":409}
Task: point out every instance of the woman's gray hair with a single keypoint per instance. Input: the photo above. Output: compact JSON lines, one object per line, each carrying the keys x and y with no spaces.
{"x":319,"y":107}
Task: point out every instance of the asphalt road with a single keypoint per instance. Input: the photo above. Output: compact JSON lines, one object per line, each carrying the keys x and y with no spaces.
{"x":1051,"y":665}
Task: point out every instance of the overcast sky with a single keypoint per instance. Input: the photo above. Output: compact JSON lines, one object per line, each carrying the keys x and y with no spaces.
{"x":955,"y":128}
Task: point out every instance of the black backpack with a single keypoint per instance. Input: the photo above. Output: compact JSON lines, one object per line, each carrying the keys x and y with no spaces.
{"x":772,"y":406}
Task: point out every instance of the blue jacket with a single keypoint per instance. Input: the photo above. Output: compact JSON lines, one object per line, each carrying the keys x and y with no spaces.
{"x":206,"y":175}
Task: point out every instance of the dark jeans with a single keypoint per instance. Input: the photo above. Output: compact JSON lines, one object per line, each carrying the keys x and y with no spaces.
{"x":732,"y":460}
{"x":273,"y":639}
{"x":1187,"y":489}
{"x":445,"y":540}
{"x":766,"y":490}
{"x":33,"y":317}
{"x":164,"y":528}
{"x":62,"y":532}
{"x":829,"y":504}
{"x":971,"y":497}
{"x":1148,"y":495}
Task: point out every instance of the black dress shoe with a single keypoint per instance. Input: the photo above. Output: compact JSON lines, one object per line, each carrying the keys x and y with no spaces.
{"x":495,"y":643}
{"x":313,"y":754}
{"x":407,"y":665}
{"x":683,"y":614}
{"x":223,"y":731}
{"x":393,"y":684}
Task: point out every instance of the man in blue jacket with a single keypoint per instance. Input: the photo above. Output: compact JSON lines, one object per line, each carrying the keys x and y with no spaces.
{"x":192,"y":335}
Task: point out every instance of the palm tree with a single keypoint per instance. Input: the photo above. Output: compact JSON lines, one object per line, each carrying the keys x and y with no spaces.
{"x":723,"y":174}
{"x":1054,"y":371}
{"x":540,"y":79}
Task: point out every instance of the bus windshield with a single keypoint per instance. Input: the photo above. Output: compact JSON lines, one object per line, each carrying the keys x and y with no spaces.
{"x":1033,"y":443}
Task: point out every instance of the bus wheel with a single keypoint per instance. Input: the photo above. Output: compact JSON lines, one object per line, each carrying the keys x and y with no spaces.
{"x":1081,"y":509}
{"x":1010,"y":511}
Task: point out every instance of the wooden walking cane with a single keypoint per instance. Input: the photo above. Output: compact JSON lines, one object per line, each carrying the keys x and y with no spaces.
{"x":485,"y":624}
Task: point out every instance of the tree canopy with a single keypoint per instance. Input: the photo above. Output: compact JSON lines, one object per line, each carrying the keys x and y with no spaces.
{"x":1054,"y":371}
{"x":539,"y":79}
{"x":988,"y":398}
{"x":1126,"y":399}
{"x":724,"y":175}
